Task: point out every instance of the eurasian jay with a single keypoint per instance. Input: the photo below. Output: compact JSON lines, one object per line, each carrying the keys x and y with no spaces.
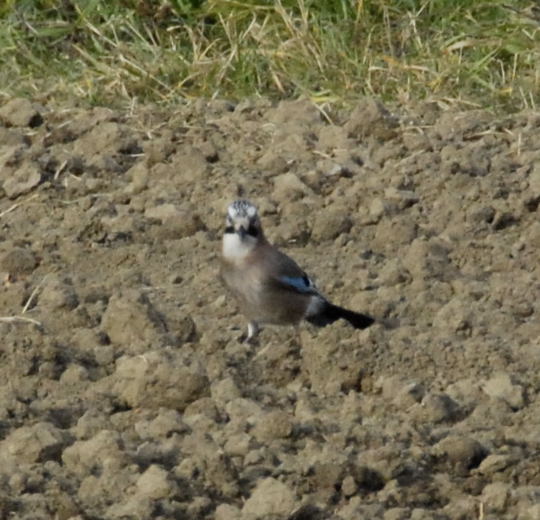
{"x":269,"y":286}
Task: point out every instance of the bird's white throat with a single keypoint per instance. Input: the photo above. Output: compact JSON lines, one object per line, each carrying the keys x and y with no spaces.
{"x":234,"y":248}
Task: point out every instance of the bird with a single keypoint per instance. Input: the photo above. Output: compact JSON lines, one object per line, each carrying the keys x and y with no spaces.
{"x":269,"y":286}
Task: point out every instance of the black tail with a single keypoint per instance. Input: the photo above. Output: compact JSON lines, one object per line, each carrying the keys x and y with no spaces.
{"x":330,"y":313}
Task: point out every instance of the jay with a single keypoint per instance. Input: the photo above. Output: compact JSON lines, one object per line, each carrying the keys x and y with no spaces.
{"x":270,"y":287}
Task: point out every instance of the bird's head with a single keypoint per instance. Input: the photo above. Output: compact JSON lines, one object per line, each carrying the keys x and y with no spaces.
{"x":243,"y":231}
{"x":243,"y":220}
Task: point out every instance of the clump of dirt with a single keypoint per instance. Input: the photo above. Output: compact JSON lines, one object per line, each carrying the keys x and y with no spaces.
{"x":124,"y":392}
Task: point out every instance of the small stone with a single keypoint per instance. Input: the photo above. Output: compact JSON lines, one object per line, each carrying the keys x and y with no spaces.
{"x":191,"y":163}
{"x":437,"y":408}
{"x":158,"y":379}
{"x":273,"y":425}
{"x":134,"y":507}
{"x":415,"y":141}
{"x":242,"y":409}
{"x":378,"y":208}
{"x":209,"y":151}
{"x":139,"y":175}
{"x":332,"y":137}
{"x":204,"y":407}
{"x":224,"y":391}
{"x":126,"y":318}
{"x":19,"y":262}
{"x":270,"y":497}
{"x":20,"y":112}
{"x":504,"y":219}
{"x":495,"y":497}
{"x":176,"y":222}
{"x":74,"y":374}
{"x":103,"y":450}
{"x":500,"y":386}
{"x":238,"y":445}
{"x":90,"y":423}
{"x":403,"y":198}
{"x":348,"y":486}
{"x":104,"y":354}
{"x":162,"y":426}
{"x":482,"y":214}
{"x":154,"y":483}
{"x":30,"y":444}
{"x":370,"y":118}
{"x":461,"y":451}
{"x":495,"y":463}
{"x":227,"y":512}
{"x":409,"y":395}
{"x":273,"y":162}
{"x":395,"y":231}
{"x":22,"y":180}
{"x":162,"y":212}
{"x":254,"y":457}
{"x":453,"y":317}
{"x":10,"y":157}
{"x":335,"y":169}
{"x":58,"y":295}
{"x":106,"y":136}
{"x":465,"y":391}
{"x":288,"y":186}
{"x":392,"y":273}
{"x":129,"y":320}
{"x":331,"y":223}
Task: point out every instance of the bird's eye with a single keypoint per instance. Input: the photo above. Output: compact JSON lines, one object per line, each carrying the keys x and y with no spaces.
{"x":229,"y":229}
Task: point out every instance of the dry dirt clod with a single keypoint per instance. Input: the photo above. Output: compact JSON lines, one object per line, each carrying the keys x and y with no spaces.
{"x":19,"y":262}
{"x":21,"y":112}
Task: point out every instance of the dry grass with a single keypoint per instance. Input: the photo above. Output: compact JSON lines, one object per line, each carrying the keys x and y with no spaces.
{"x":452,"y":51}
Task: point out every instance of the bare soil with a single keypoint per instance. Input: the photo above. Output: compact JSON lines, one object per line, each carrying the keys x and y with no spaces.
{"x":124,"y":391}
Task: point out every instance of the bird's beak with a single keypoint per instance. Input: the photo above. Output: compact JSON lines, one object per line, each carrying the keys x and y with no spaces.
{"x":242,"y":231}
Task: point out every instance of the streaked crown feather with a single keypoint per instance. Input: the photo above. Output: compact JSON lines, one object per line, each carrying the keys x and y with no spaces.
{"x":241,"y":208}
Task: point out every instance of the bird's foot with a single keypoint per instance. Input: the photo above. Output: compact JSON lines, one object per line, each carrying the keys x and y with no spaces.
{"x":245,"y":338}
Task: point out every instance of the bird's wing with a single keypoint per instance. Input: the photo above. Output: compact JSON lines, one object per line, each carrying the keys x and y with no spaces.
{"x":301,"y":285}
{"x":282,"y":272}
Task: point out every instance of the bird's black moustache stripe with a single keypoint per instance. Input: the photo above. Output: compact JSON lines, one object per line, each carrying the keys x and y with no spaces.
{"x":252,"y":230}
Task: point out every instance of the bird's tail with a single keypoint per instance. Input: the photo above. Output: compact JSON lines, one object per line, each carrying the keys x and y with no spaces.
{"x":329,"y":313}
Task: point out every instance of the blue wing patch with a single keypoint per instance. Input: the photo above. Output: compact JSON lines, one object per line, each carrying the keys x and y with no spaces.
{"x":301,"y":284}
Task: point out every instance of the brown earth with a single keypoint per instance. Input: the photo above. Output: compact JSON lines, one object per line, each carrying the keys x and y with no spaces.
{"x":124,"y":392}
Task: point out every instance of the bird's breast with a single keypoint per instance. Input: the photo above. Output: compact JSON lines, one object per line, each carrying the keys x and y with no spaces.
{"x":245,"y":284}
{"x":234,"y":249}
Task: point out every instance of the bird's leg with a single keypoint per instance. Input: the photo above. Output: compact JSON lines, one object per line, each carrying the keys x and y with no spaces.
{"x":252,"y":332}
{"x":298,"y":336}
